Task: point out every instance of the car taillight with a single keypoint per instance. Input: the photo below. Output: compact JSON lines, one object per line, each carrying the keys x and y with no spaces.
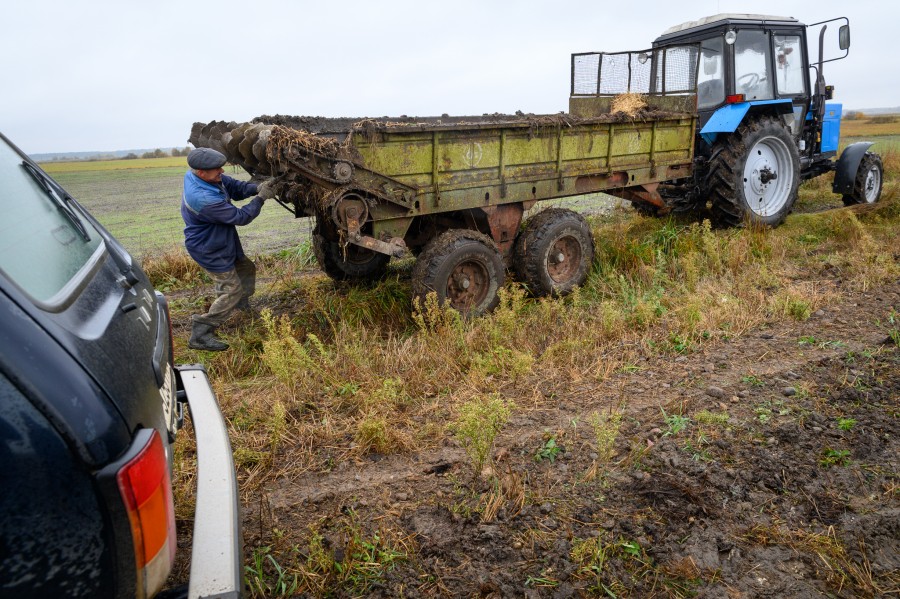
{"x":735,"y":99}
{"x":146,"y":490}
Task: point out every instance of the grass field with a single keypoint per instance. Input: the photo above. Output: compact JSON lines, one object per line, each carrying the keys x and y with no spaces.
{"x":882,"y":125}
{"x":55,"y":168}
{"x":884,"y":130}
{"x":139,"y":202}
{"x":883,"y":143}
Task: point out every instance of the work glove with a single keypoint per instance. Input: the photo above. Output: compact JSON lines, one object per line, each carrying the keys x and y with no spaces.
{"x":266,"y":189}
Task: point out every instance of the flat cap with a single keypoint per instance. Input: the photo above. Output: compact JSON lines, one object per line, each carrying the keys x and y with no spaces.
{"x":205,"y":159}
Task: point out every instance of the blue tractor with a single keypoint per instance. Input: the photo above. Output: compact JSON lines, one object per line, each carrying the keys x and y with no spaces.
{"x":765,"y":122}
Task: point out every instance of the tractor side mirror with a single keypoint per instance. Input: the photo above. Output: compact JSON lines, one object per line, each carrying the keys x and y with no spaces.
{"x":844,"y":37}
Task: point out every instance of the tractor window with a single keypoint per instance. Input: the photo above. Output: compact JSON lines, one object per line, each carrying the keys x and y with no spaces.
{"x":751,"y":65}
{"x":788,"y":65}
{"x":711,"y":80}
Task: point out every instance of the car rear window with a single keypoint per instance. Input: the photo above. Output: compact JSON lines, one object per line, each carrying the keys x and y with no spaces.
{"x":43,"y":249}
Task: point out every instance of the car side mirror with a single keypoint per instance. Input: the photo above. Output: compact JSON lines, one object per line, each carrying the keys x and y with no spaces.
{"x":844,"y":37}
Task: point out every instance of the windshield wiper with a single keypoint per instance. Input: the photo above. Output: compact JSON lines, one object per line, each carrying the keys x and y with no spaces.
{"x":59,"y":199}
{"x":62,"y":199}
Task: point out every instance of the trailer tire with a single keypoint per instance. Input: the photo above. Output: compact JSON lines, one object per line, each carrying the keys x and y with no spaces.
{"x":740,"y":182}
{"x":356,"y":264}
{"x":464,"y":268}
{"x":868,"y":183}
{"x":553,"y":254}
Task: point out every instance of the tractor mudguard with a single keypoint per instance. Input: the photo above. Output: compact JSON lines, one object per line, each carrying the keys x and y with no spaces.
{"x":847,"y":165}
{"x":728,"y":118}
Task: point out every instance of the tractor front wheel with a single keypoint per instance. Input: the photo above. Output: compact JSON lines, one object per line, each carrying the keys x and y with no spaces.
{"x":868,"y":183}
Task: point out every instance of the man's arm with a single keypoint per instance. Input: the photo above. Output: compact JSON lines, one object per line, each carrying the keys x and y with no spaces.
{"x":228,"y":214}
{"x":237,"y":189}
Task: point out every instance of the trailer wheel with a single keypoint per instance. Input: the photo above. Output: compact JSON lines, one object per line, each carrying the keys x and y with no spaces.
{"x":464,"y":268}
{"x":356,"y":264}
{"x":754,"y":174}
{"x":553,"y":254}
{"x":868,"y":183}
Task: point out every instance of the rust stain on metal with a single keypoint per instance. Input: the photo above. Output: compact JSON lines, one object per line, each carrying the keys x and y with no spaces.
{"x":504,"y":221}
{"x":645,"y":193}
{"x":396,"y":247}
{"x":591,"y":183}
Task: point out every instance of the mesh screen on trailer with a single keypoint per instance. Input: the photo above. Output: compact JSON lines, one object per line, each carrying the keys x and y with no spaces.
{"x":584,"y":74}
{"x":611,"y":74}
{"x":676,"y":69}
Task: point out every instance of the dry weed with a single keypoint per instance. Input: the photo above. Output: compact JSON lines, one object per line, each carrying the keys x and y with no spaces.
{"x":172,"y":269}
{"x":630,"y":104}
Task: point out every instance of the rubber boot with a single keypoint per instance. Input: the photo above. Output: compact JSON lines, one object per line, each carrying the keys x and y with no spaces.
{"x":203,"y":337}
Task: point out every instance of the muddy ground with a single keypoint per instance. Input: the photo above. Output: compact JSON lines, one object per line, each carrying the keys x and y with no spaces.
{"x":762,"y":466}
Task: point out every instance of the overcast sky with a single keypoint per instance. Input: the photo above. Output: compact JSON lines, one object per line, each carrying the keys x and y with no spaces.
{"x":111,"y":75}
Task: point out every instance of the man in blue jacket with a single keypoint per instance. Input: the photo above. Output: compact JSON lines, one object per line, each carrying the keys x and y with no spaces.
{"x":211,"y":238}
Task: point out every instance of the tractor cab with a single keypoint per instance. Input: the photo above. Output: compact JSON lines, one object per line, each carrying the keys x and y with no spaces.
{"x":747,"y":58}
{"x":752,"y":64}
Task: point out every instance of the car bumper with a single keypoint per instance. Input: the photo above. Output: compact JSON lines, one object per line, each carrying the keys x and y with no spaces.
{"x":216,"y":552}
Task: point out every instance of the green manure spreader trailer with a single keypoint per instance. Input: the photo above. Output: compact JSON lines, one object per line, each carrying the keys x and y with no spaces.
{"x":725,"y":111}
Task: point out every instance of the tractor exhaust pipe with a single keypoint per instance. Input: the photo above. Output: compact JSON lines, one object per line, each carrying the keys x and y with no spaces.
{"x":820,"y":77}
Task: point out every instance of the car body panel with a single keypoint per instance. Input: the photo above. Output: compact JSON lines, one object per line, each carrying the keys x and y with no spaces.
{"x":54,"y":539}
{"x":86,"y":374}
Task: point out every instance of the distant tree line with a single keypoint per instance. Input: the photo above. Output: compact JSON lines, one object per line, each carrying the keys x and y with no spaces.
{"x":157,"y":153}
{"x":878,"y":119}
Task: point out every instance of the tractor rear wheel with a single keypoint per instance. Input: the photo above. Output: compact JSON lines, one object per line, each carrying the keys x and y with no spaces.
{"x":350,"y":263}
{"x":754,"y":174}
{"x":868,"y":183}
{"x":553,"y":254}
{"x":464,"y":268}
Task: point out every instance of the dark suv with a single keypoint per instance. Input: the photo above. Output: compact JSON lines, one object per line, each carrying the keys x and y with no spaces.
{"x":90,"y":403}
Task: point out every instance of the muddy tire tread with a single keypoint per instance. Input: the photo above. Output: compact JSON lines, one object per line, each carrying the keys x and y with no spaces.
{"x":330,"y":258}
{"x":429,"y":263}
{"x":858,"y":195}
{"x":540,"y":230}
